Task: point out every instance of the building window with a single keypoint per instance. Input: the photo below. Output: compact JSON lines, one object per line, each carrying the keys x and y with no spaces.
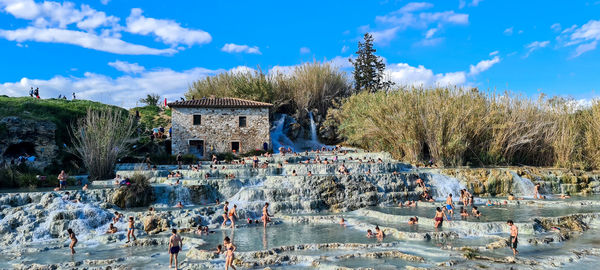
{"x":242,"y":121}
{"x":197,"y":119}
{"x":235,"y":147}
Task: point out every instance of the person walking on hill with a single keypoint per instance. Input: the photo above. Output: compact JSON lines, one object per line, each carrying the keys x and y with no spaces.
{"x":36,"y":92}
{"x":31,"y":92}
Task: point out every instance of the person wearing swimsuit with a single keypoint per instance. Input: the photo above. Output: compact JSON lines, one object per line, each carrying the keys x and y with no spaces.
{"x":266,"y":217}
{"x":130,"y":230}
{"x":73,"y":240}
{"x":513,"y":240}
{"x":450,"y":205}
{"x":225,"y":213}
{"x":175,"y":244}
{"x":439,"y":217}
{"x":229,"y":249}
{"x":233,"y":215}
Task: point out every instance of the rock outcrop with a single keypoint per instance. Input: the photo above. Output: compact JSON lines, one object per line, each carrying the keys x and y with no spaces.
{"x":20,"y":136}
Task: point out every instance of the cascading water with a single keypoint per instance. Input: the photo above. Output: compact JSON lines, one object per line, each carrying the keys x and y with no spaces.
{"x":444,"y":185}
{"x":278,"y":137}
{"x":170,"y":195}
{"x":313,"y":129}
{"x":522,"y":186}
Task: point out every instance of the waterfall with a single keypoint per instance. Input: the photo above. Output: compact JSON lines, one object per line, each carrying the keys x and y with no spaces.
{"x":444,"y":185}
{"x":313,"y":129}
{"x":278,"y":137}
{"x":522,"y":186}
{"x":171,"y":195}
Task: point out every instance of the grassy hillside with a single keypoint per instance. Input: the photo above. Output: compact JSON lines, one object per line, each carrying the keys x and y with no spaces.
{"x":153,"y":116}
{"x":61,"y":112}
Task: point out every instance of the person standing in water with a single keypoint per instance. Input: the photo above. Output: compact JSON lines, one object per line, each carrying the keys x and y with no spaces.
{"x":225,"y":213}
{"x":73,"y":240}
{"x":175,"y":244}
{"x":513,"y":240}
{"x":439,"y":217}
{"x":450,"y":205}
{"x":131,"y":230}
{"x":179,"y":160}
{"x":536,"y":191}
{"x":265,"y":214}
{"x":229,"y":249}
{"x":233,"y":215}
{"x":62,"y":180}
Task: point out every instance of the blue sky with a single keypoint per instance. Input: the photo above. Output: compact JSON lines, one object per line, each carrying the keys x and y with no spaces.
{"x":116,"y":51}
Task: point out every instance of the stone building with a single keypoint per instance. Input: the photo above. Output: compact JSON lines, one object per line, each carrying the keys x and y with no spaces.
{"x":218,"y":125}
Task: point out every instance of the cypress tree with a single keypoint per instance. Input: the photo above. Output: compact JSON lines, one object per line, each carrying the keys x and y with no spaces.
{"x":368,"y":67}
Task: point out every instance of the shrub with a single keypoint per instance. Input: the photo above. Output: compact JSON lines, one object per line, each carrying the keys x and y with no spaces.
{"x":138,"y":194}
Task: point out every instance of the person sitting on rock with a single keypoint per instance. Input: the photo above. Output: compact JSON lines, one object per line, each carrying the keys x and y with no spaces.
{"x":294,"y":173}
{"x":463,"y":212}
{"x":309,"y":173}
{"x":117,"y":217}
{"x":426,"y":197}
{"x":420,"y":183}
{"x":179,"y":205}
{"x":117,"y":180}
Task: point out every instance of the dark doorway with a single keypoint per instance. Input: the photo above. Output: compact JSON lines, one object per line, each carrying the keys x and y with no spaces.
{"x":20,"y":149}
{"x":197,"y":147}
{"x":235,"y":146}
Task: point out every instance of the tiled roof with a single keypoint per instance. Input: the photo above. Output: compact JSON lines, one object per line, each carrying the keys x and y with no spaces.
{"x":217,"y":102}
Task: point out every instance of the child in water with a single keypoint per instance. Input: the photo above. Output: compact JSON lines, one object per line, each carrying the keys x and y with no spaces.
{"x":130,"y":230}
{"x":73,"y":240}
{"x":370,"y":234}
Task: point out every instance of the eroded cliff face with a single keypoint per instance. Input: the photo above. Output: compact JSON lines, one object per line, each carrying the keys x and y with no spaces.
{"x":19,"y":136}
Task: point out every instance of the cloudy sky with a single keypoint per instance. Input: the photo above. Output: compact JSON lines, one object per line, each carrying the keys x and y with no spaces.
{"x":116,"y":51}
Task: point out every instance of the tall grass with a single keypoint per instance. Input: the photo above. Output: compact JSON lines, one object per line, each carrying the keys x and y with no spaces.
{"x":591,"y":144}
{"x":454,"y":126}
{"x":309,"y":86}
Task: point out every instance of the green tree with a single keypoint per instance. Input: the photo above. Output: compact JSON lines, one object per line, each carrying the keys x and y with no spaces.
{"x":151,"y":99}
{"x":368,"y":67}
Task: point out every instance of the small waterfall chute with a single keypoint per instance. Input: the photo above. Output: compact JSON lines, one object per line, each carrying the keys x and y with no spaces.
{"x":443,"y":185}
{"x":522,"y":186}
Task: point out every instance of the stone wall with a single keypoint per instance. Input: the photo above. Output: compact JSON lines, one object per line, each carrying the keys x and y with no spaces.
{"x":219,"y":127}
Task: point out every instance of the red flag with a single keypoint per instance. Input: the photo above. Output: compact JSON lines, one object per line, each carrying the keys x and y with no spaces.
{"x":165,"y":102}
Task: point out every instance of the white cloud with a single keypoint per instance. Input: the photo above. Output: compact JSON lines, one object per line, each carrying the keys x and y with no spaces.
{"x":556,"y":27}
{"x":509,"y":31}
{"x":242,"y":69}
{"x":167,"y":31}
{"x":384,"y":37}
{"x":415,"y":6}
{"x":462,"y":4}
{"x":583,"y":48}
{"x":304,"y":50}
{"x":585,"y":37}
{"x":104,"y":2}
{"x":494,"y":53}
{"x":345,"y":48}
{"x":341,"y":62}
{"x":408,"y":17}
{"x":430,"y":32}
{"x":127,"y":67}
{"x":533,"y":46}
{"x":445,"y":17}
{"x":476,"y":2}
{"x":483,"y":65}
{"x":26,"y":9}
{"x":83,"y":39}
{"x":58,"y":15}
{"x":235,"y":48}
{"x":122,"y":91}
{"x":404,"y":74}
{"x":55,"y":22}
{"x":282,"y":70}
